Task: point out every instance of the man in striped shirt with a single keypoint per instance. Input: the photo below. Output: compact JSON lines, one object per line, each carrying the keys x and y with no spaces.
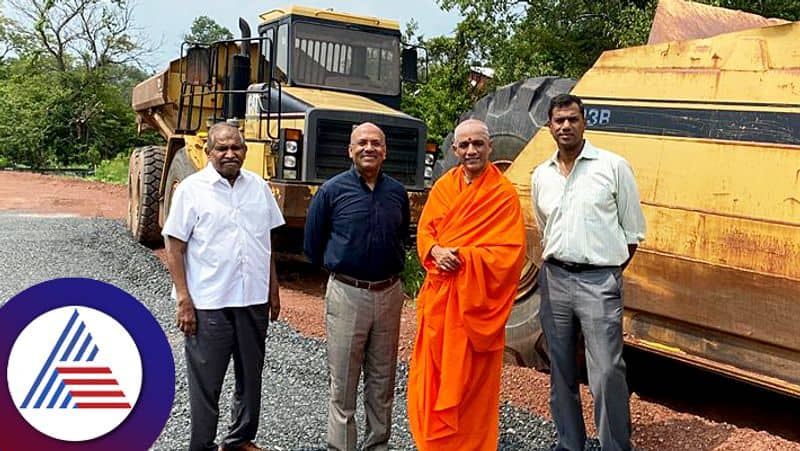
{"x":587,"y":207}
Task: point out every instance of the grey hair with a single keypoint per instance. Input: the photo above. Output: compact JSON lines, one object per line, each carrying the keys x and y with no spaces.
{"x":484,"y":128}
{"x":216,"y":128}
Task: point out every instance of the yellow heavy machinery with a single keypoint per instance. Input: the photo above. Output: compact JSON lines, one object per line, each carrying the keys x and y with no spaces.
{"x":296,"y":90}
{"x":711,"y":126}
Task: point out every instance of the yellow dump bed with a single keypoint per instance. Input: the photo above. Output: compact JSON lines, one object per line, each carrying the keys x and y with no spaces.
{"x":712,"y":129}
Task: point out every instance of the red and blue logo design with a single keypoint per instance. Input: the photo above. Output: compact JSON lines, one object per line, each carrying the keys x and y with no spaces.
{"x":76,"y":379}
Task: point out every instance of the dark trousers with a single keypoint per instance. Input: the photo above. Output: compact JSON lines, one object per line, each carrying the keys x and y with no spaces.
{"x":238,"y":332}
{"x":591,"y":301}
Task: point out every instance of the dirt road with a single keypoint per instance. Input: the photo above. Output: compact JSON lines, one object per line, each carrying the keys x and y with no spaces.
{"x":673,"y":408}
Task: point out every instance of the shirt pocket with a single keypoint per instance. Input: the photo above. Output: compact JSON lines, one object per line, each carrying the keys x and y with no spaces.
{"x":590,"y":201}
{"x":255,"y":218}
{"x":594,"y":202}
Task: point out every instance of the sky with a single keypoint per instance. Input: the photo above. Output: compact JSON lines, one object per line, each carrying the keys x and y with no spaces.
{"x":166,"y":21}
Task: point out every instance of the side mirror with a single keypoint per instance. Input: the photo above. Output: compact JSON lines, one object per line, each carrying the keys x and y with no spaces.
{"x":198,"y":66}
{"x":409,"y":65}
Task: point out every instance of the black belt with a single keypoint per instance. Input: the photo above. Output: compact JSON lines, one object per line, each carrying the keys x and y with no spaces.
{"x":577,"y":267}
{"x":365,"y":284}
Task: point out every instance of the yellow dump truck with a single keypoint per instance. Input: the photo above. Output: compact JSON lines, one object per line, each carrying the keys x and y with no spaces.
{"x":296,"y":90}
{"x":711,"y":127}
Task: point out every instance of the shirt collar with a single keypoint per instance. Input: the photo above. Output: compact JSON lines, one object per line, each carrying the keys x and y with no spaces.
{"x":211,"y":176}
{"x":354,"y":173}
{"x":589,"y":152}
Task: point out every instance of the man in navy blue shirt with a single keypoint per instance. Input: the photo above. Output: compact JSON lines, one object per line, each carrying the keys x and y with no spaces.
{"x":356,"y":229}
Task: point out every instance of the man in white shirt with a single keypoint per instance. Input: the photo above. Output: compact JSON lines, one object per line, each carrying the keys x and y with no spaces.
{"x":218,"y":245}
{"x":587,"y":207}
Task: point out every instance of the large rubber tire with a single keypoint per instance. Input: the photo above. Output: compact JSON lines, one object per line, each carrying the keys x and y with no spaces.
{"x":144,"y":177}
{"x":514,"y":113}
{"x":525,"y":342}
{"x":179,"y":168}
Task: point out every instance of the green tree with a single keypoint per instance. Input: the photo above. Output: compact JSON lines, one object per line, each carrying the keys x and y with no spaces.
{"x":206,"y":30}
{"x":90,"y":33}
{"x":525,"y":38}
{"x":83,"y":120}
{"x":545,"y":37}
{"x":447,"y":92}
{"x":65,"y":84}
{"x":9,"y":40}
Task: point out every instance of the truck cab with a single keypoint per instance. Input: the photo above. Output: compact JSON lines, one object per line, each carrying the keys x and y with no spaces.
{"x":296,"y":90}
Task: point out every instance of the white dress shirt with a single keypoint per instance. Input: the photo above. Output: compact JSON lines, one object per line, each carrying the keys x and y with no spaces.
{"x":591,"y":215}
{"x":227,"y":233}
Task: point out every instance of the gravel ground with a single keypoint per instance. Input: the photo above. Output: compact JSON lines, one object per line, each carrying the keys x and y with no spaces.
{"x":35,"y":248}
{"x":675,"y":408}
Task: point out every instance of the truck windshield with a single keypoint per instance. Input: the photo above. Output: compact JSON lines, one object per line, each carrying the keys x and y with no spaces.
{"x":340,"y":58}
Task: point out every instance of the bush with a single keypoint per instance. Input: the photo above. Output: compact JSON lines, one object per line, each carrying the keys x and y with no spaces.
{"x":113,"y":171}
{"x":413,"y":274}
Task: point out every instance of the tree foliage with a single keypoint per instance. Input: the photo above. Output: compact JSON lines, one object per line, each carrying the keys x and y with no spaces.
{"x":530,"y":38}
{"x":206,"y":30}
{"x":63,"y":118}
{"x":522,"y":39}
{"x":447,"y":92}
{"x":92,"y":33}
{"x":65,"y":82}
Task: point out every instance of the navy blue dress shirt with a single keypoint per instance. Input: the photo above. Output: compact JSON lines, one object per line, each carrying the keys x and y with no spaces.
{"x":356,"y":231}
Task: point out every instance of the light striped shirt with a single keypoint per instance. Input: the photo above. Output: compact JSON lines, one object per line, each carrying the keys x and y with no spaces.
{"x":591,"y":215}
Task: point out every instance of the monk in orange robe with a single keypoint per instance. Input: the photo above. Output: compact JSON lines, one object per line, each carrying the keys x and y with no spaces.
{"x":471,"y":240}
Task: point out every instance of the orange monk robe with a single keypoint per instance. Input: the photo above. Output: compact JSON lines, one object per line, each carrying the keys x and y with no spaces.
{"x":454,"y":379}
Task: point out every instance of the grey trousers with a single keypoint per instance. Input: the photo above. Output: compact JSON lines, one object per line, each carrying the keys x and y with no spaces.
{"x":238,"y":332}
{"x":362,"y":332}
{"x":591,"y":301}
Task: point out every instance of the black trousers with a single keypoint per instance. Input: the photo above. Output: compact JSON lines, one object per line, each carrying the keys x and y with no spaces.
{"x":238,"y":332}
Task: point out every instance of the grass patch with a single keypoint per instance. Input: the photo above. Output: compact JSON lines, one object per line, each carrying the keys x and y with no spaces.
{"x":112,"y":171}
{"x":413,"y":274}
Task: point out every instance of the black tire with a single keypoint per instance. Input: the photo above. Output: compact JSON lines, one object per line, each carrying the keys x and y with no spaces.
{"x":525,"y":342}
{"x":514,"y":113}
{"x":179,"y":168}
{"x":144,"y":178}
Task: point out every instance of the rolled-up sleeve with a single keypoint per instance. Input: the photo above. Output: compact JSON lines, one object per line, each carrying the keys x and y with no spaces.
{"x":629,"y":207}
{"x":317,"y":227}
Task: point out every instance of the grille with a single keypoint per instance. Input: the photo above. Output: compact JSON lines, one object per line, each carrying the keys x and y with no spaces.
{"x":333,"y":137}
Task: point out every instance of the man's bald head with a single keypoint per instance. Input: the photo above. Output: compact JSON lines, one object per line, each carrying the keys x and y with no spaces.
{"x":472,"y":144}
{"x":367,"y":149}
{"x":472,"y":124}
{"x":366,"y":126}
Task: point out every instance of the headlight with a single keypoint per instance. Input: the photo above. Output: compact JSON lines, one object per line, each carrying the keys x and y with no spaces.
{"x":290,"y":174}
{"x":291,"y":146}
{"x":289,"y":161}
{"x":428,"y":172}
{"x":429,"y":159}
